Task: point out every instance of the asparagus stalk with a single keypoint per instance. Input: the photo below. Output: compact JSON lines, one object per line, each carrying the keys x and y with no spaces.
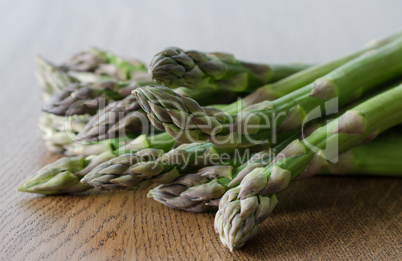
{"x":64,"y":175}
{"x":185,"y":120}
{"x":242,"y":208}
{"x":174,"y":67}
{"x":201,"y":189}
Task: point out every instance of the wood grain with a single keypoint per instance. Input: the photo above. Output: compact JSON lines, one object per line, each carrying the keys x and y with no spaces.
{"x":325,"y":218}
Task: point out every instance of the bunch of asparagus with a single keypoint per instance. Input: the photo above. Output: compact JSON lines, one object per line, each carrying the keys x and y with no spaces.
{"x":289,"y":122}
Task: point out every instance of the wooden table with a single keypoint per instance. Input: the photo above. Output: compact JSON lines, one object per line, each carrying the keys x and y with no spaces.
{"x":323,"y":218}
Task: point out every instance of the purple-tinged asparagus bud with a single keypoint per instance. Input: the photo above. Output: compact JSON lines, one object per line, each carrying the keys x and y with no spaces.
{"x":240,"y":176}
{"x":248,"y":206}
{"x":237,"y":220}
{"x":278,"y":180}
{"x":145,"y":169}
{"x":205,"y":192}
{"x":166,"y":177}
{"x":253,"y":183}
{"x":213,"y":172}
{"x":318,"y":162}
{"x":265,"y":207}
{"x":295,"y":148}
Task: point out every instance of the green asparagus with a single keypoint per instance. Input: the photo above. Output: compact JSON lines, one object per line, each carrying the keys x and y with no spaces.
{"x":94,"y":65}
{"x":127,"y":173}
{"x":201,"y":189}
{"x":64,"y":175}
{"x":185,"y":120}
{"x":242,"y":208}
{"x":174,"y":68}
{"x":91,"y":65}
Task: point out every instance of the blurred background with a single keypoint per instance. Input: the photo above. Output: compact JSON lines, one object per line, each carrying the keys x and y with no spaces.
{"x":266,"y":31}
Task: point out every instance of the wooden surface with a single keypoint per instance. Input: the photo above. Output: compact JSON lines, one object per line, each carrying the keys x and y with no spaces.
{"x":324,"y":218}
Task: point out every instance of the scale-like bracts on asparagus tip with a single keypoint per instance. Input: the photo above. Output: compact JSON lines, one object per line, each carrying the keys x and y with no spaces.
{"x":174,"y":67}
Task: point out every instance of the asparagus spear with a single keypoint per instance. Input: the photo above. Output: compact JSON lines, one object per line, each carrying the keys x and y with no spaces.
{"x":185,"y":120}
{"x":64,"y":175}
{"x":242,"y":208}
{"x":125,"y":116}
{"x":201,"y":189}
{"x":51,"y":78}
{"x":91,"y":63}
{"x":125,"y":173}
{"x":174,"y":67}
